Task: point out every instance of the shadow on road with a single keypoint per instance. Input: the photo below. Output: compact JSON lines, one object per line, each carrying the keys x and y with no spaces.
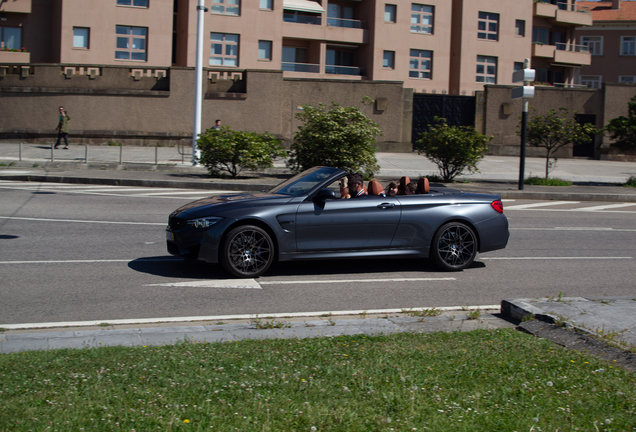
{"x":177,"y":268}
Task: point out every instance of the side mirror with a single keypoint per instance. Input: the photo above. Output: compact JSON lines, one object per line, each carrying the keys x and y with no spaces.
{"x":324,"y":195}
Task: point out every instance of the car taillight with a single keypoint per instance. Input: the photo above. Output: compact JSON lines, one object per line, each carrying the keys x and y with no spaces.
{"x":497,"y":205}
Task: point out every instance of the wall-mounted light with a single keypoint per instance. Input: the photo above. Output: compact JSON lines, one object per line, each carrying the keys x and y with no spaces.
{"x":3,"y":17}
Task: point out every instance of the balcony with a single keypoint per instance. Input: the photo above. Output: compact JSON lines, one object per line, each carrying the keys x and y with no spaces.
{"x":15,"y":57}
{"x":343,"y":70}
{"x":18,"y":6}
{"x":302,"y":19}
{"x":346,"y":23}
{"x":563,"y":54}
{"x":564,"y":13}
{"x":300,"y":67}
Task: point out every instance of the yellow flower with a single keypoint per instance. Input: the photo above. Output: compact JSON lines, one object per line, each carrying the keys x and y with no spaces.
{"x":186,"y":421}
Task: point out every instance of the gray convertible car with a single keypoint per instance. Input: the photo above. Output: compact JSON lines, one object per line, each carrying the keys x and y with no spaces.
{"x":303,"y":218}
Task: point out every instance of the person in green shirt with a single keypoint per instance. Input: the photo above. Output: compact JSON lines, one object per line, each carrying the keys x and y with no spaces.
{"x":62,"y":128}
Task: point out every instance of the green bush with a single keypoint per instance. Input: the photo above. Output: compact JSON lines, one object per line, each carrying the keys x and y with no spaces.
{"x":631,"y":182}
{"x":340,"y":137}
{"x":235,"y":151}
{"x":454,"y":149}
{"x":623,"y":129}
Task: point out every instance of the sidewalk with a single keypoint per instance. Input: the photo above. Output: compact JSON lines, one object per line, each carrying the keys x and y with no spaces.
{"x":165,"y":167}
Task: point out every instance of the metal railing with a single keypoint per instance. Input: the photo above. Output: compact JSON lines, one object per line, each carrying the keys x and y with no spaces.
{"x":302,"y":19}
{"x":300,"y":67}
{"x":566,"y":6}
{"x":572,"y":47}
{"x":342,"y":70}
{"x":341,"y":22}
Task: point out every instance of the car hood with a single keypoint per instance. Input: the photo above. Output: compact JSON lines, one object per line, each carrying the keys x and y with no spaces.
{"x":219,"y":203}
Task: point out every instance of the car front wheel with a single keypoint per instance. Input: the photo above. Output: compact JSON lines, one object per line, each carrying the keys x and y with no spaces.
{"x":247,"y":251}
{"x":454,"y":246}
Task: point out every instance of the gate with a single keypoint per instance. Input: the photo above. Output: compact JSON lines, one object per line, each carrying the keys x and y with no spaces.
{"x":457,"y":110}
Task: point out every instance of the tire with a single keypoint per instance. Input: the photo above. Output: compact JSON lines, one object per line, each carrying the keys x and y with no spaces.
{"x":247,"y":251}
{"x":454,"y":246}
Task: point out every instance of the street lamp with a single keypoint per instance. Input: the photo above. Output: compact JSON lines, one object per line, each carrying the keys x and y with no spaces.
{"x":198,"y":83}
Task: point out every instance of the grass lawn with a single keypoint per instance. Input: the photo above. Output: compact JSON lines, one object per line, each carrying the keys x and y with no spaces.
{"x":484,"y":380}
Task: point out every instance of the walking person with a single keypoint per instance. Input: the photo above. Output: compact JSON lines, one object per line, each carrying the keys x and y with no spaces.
{"x":217,"y":125}
{"x":62,"y":128}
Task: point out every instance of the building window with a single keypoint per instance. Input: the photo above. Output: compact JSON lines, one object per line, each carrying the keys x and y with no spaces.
{"x":131,"y":43}
{"x":420,"y":64}
{"x":628,"y":45}
{"x":389,"y":13}
{"x":488,"y":26}
{"x":594,"y":44}
{"x":265,"y":50}
{"x":226,"y":7}
{"x":224,"y":49}
{"x":388,"y":60}
{"x":541,"y":35}
{"x":422,"y":18}
{"x":487,"y":70}
{"x":341,"y":61}
{"x":135,"y":3}
{"x":627,"y":79}
{"x":517,"y":66}
{"x":591,"y":81}
{"x":339,"y":15}
{"x":80,"y":37}
{"x":266,"y":5}
{"x":520,"y":28}
{"x":11,"y":37}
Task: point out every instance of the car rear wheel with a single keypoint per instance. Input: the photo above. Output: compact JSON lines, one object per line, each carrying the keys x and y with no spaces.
{"x":454,"y":246}
{"x":247,"y":251}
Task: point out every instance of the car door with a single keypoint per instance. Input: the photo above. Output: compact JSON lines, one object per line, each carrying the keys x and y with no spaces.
{"x":347,"y":224}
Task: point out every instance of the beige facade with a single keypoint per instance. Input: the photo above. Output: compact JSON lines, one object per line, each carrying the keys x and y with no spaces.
{"x":433,"y":46}
{"x":612,"y":42}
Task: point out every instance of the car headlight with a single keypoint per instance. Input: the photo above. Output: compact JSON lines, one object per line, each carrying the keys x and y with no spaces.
{"x":206,"y":222}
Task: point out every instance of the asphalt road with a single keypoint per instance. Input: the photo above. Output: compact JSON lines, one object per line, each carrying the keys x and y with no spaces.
{"x":78,"y":253}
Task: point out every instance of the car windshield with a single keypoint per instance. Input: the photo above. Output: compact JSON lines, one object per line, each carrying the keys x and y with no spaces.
{"x":302,"y":183}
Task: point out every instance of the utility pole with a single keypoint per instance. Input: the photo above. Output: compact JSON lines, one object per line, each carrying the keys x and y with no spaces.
{"x":526,"y":92}
{"x":198,"y":83}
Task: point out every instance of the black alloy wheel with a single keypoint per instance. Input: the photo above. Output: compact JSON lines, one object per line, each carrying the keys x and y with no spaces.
{"x":247,"y":251}
{"x":454,"y":246}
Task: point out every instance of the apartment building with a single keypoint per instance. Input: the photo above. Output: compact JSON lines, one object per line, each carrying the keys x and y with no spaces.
{"x":433,"y":46}
{"x":611,"y":41}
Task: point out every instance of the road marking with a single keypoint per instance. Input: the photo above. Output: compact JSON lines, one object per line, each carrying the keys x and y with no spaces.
{"x":541,"y":204}
{"x":217,"y":318}
{"x":93,"y":261}
{"x":200,"y":192}
{"x":254,"y":284}
{"x":322,"y":281}
{"x":82,"y":221}
{"x":576,"y":229}
{"x":215,"y":283}
{"x":556,"y":258}
{"x":608,"y":206}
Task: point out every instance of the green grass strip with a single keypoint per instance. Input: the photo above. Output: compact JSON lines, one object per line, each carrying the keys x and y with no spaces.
{"x":485,"y":380}
{"x":540,"y":181}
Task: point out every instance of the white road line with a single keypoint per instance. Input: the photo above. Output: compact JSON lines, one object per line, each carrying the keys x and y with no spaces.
{"x":575,"y":229}
{"x":556,"y":258}
{"x":92,"y":261}
{"x":322,"y":281}
{"x":607,"y":206}
{"x":540,"y":204}
{"x":217,"y":318}
{"x":81,"y":221}
{"x":580,"y":209}
{"x":254,"y":284}
{"x":200,"y":192}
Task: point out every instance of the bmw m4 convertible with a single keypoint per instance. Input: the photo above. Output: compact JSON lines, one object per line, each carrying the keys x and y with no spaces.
{"x":304,"y":218}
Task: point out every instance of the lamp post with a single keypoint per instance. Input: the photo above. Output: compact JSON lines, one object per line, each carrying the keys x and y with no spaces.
{"x":526,"y":92}
{"x":198,"y":83}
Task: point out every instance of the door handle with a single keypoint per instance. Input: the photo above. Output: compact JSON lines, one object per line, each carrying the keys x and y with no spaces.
{"x":386,"y":205}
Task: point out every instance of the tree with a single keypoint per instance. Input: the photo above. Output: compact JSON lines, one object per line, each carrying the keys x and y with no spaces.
{"x":555,"y":130}
{"x":623,"y":129}
{"x":454,"y":149}
{"x":234,"y":151}
{"x":340,"y":137}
